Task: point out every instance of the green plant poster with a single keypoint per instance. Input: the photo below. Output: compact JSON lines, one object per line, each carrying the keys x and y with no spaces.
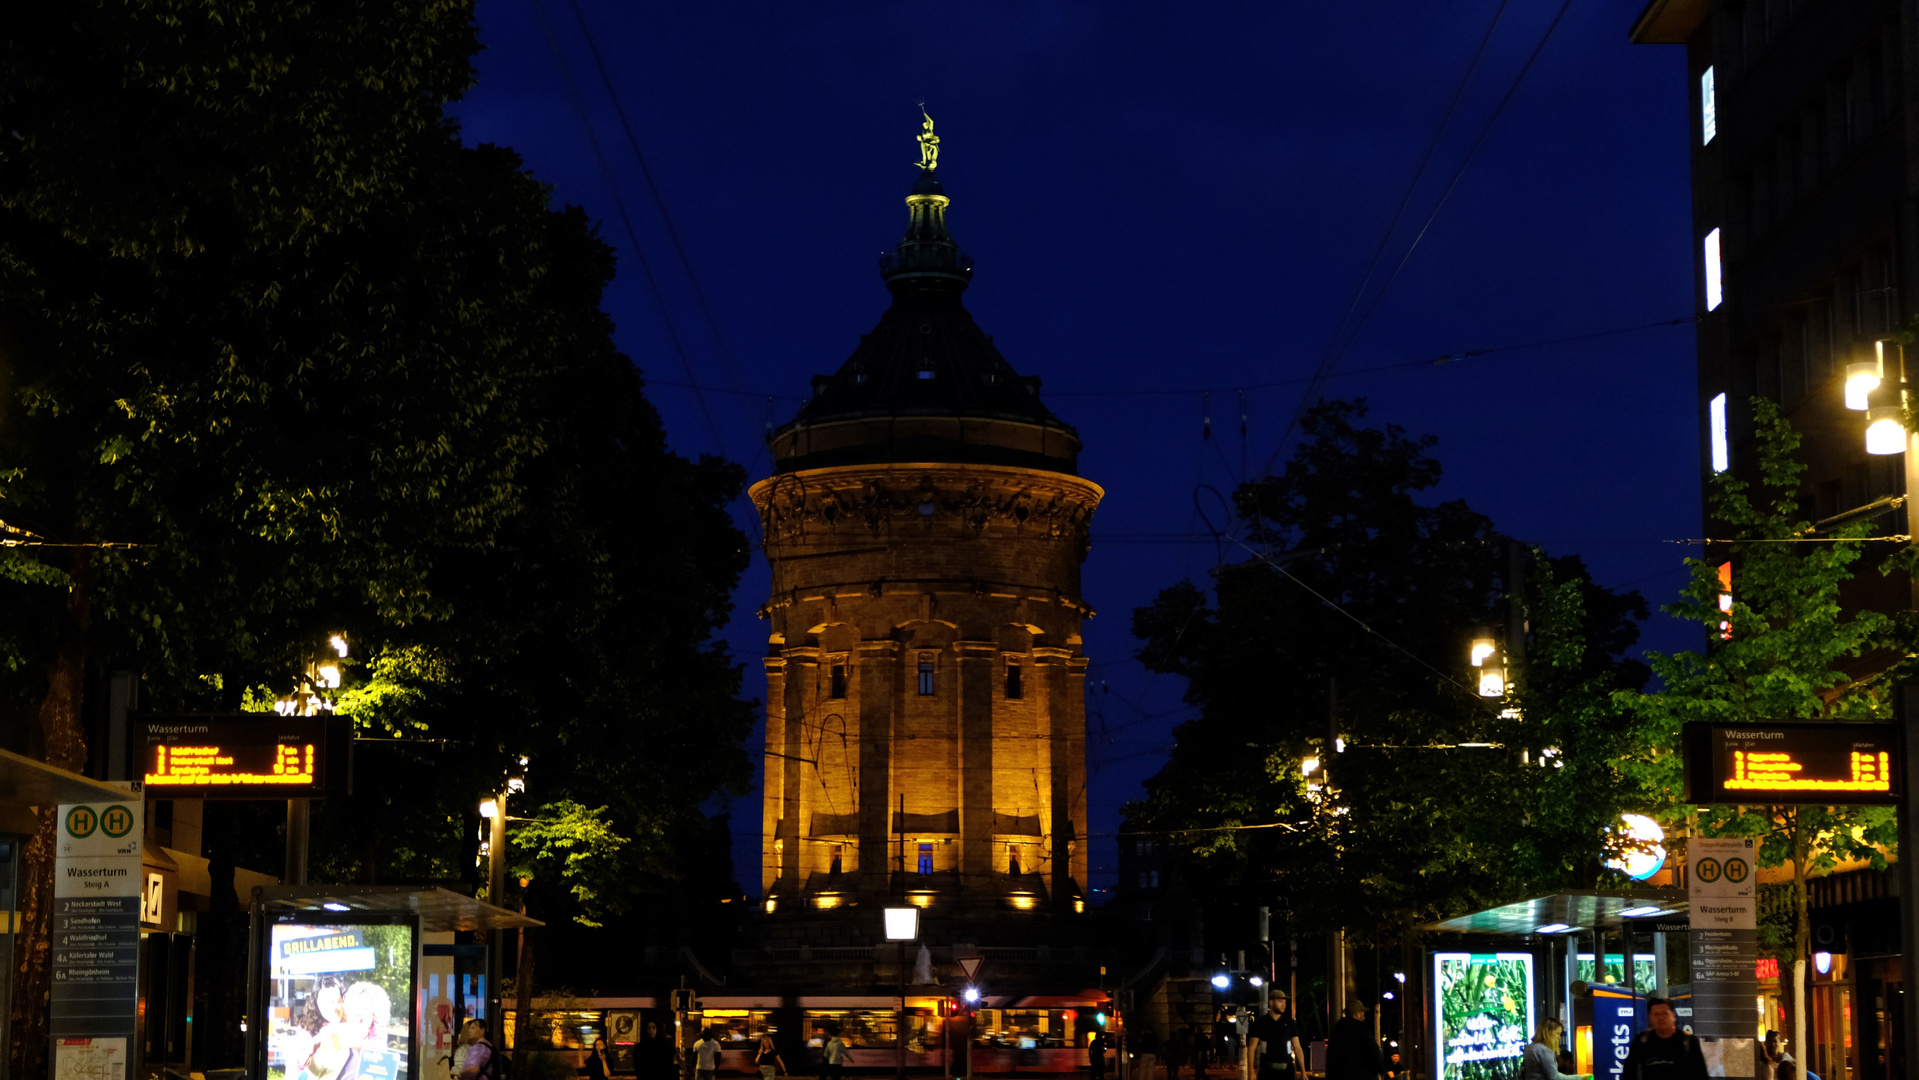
{"x":1485,"y":1014}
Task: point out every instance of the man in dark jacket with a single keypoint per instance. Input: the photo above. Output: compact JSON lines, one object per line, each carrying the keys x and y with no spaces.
{"x":1351,"y":1051}
{"x":1665,"y":1052}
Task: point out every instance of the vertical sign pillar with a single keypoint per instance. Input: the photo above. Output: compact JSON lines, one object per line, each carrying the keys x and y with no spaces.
{"x":94,"y":1011}
{"x":1725,"y":948}
{"x":10,"y":852}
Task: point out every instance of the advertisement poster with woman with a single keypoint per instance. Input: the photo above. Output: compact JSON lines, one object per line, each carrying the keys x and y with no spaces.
{"x":1485,"y":1014}
{"x":339,"y":1001}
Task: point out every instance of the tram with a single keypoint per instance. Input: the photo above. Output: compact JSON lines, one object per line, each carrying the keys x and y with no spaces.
{"x":1036,"y":1035}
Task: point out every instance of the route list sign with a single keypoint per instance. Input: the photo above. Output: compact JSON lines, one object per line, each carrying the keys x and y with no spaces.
{"x":1725,"y":946}
{"x":1771,"y":764}
{"x":96,"y":937}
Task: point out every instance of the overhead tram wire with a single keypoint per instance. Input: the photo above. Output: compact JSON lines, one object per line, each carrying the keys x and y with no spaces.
{"x":626,"y":221}
{"x":659,"y":201}
{"x":1334,"y":348}
{"x":1332,"y":361}
{"x":1442,"y":360}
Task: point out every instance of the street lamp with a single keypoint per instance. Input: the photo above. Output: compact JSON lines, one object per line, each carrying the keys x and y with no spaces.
{"x":1885,"y":432}
{"x":902,"y":926}
{"x":1862,"y":378}
{"x":1492,"y":677}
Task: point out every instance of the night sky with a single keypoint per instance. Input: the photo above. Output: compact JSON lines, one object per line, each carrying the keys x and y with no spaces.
{"x":1161,"y":200}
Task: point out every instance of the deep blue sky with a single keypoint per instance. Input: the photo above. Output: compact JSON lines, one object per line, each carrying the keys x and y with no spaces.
{"x":1160,"y":199}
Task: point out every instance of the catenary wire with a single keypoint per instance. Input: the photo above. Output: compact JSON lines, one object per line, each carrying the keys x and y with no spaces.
{"x":1336,"y":346}
{"x":659,"y":201}
{"x":1459,"y":173}
{"x":626,"y":222}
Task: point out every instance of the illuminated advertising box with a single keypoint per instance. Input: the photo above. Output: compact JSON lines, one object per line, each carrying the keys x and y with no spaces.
{"x":236,"y":756}
{"x":1771,"y":764}
{"x":1484,"y":1017}
{"x":340,"y":996}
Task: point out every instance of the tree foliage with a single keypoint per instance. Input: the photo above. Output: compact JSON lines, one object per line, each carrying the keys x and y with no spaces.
{"x":1788,"y":649}
{"x":1364,"y":598}
{"x":280,"y":357}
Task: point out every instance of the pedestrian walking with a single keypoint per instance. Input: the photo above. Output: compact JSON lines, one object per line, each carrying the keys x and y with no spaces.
{"x":655,"y":1058}
{"x":1351,"y":1053}
{"x":597,"y":1064}
{"x":833,"y":1055}
{"x":767,"y":1057}
{"x":1664,"y":1052}
{"x":1146,"y":1059}
{"x":1272,"y":1044}
{"x":1096,"y":1054}
{"x":1541,"y":1061}
{"x":1765,"y":1063}
{"x":476,"y":1059}
{"x":706,"y":1055}
{"x":1177,"y":1051}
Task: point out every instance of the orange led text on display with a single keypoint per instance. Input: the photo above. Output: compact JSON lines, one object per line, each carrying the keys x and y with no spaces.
{"x":1780,"y":771}
{"x":292,"y":764}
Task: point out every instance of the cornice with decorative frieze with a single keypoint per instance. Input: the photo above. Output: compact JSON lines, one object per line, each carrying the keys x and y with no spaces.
{"x":904,"y":501}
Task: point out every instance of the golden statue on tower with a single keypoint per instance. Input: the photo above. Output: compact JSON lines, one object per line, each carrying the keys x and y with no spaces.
{"x":929,"y":143}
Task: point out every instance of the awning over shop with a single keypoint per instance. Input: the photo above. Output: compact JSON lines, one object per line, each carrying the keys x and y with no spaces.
{"x":1569,"y":911}
{"x":26,"y":783}
{"x":438,"y":909}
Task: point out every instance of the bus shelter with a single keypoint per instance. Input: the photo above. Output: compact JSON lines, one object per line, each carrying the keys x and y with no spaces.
{"x":365,"y":982}
{"x":1588,"y":959}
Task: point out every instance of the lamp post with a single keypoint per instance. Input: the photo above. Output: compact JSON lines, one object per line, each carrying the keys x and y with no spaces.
{"x":493,"y":812}
{"x":902,"y":926}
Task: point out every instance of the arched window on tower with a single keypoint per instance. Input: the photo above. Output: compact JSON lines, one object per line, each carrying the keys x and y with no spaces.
{"x":1015,"y":861}
{"x":926,"y":676}
{"x":836,"y":681}
{"x":839,"y":853}
{"x":1014,"y":689}
{"x":926,"y":858}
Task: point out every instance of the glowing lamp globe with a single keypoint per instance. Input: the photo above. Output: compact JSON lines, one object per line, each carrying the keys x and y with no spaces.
{"x":1885,"y":434}
{"x":1862,"y":379}
{"x":1647,"y":856}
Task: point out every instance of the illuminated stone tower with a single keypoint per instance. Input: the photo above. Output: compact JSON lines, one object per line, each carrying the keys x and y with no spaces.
{"x":925,"y":731}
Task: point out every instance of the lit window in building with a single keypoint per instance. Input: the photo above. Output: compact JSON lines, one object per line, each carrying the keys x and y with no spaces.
{"x":1725,"y":599}
{"x":1014,"y":691}
{"x":926,"y":858}
{"x":1149,"y":879}
{"x":836,"y":682}
{"x":1715,"y":283}
{"x":926,"y":678}
{"x":1708,"y":109}
{"x":1716,"y":423}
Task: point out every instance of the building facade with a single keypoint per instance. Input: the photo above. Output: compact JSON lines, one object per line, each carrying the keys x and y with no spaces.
{"x":925,"y":733}
{"x":1804,"y":230}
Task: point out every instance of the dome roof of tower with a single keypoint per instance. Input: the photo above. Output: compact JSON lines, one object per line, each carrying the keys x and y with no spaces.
{"x":927,"y":384}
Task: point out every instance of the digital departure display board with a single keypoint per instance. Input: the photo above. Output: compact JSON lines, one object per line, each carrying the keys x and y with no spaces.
{"x":1764,"y":764}
{"x":235,"y":756}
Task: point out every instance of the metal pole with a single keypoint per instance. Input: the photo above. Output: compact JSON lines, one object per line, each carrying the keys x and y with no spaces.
{"x":1907,"y":869}
{"x":495,"y":892}
{"x":899,"y":1032}
{"x":299,"y":819}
